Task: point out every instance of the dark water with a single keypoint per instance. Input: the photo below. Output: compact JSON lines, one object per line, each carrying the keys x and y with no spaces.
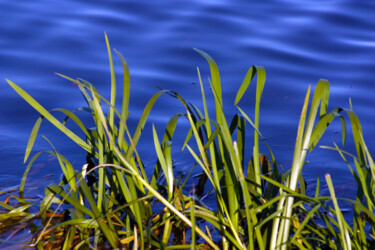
{"x":296,"y":43}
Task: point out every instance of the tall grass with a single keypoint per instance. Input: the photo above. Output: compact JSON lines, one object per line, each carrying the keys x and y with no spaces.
{"x":112,"y":201}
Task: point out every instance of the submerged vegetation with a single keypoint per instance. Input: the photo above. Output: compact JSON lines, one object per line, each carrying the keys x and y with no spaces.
{"x":113,"y":203}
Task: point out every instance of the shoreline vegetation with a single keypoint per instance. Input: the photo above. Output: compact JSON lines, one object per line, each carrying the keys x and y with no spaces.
{"x":112,"y":203}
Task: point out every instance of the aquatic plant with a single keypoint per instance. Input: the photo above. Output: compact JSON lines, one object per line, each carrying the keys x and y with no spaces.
{"x":112,"y":202}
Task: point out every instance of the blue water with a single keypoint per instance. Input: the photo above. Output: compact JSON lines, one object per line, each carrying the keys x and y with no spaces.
{"x":296,"y":43}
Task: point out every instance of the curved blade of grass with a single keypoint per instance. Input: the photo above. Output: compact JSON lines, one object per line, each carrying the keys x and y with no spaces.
{"x":261,"y":79}
{"x":66,"y":167}
{"x":31,"y":162}
{"x":199,"y":124}
{"x":166,"y":165}
{"x":37,"y":124}
{"x":111,"y":119}
{"x":216,"y":84}
{"x":81,"y":86}
{"x":205,"y":169}
{"x":25,"y":173}
{"x":132,"y":160}
{"x":365,"y":185}
{"x":357,"y":135}
{"x":321,"y":95}
{"x":168,"y":135}
{"x":72,"y":116}
{"x":245,"y":84}
{"x":56,"y":189}
{"x":49,"y":117}
{"x":32,"y":137}
{"x":322,"y":125}
{"x":125,"y":97}
{"x":192,"y":218}
{"x":345,"y":239}
{"x":249,"y":120}
{"x":142,"y":121}
{"x":101,"y":145}
{"x":209,"y":133}
{"x":240,"y":123}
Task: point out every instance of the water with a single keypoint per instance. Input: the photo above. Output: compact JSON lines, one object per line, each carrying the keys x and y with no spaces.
{"x":296,"y":43}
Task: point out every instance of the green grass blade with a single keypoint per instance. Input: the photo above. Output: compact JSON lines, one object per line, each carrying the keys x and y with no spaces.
{"x":364,"y":183}
{"x":309,"y":216}
{"x":261,"y":79}
{"x":142,"y":121}
{"x":357,"y":135}
{"x":72,"y":116}
{"x":125,"y":97}
{"x":49,"y":117}
{"x":209,"y":133}
{"x":192,"y":218}
{"x":110,"y":235}
{"x":101,"y":148}
{"x":345,"y":239}
{"x":138,"y":210}
{"x":215,"y":77}
{"x":168,"y":135}
{"x":205,"y":169}
{"x":165,"y":165}
{"x":279,"y":233}
{"x":127,"y":190}
{"x":321,"y":94}
{"x":111,"y":119}
{"x":56,"y":189}
{"x":245,"y":84}
{"x":32,"y":137}
{"x":82,"y":85}
{"x":322,"y":125}
{"x":66,"y":167}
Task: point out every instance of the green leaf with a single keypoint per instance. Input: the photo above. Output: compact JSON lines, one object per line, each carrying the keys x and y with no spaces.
{"x":49,"y":117}
{"x":125,"y":97}
{"x":72,"y":116}
{"x":216,"y":84}
{"x":113,"y":88}
{"x":142,"y":121}
{"x":322,"y":126}
{"x":32,"y":137}
{"x":245,"y":84}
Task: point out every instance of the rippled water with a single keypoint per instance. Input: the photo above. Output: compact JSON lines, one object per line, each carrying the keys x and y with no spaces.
{"x":296,"y":43}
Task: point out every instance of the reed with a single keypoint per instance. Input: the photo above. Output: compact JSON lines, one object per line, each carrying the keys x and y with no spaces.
{"x":111,"y":201}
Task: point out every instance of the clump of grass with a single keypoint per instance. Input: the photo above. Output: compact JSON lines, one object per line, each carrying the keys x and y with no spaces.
{"x":111,"y":201}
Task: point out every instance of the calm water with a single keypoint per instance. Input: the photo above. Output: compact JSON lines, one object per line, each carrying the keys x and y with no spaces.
{"x":296,"y":43}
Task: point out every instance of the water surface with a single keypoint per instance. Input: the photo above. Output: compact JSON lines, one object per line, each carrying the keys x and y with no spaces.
{"x":298,"y":44}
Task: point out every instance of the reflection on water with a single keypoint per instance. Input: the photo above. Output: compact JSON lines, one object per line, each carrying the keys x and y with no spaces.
{"x":296,"y":43}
